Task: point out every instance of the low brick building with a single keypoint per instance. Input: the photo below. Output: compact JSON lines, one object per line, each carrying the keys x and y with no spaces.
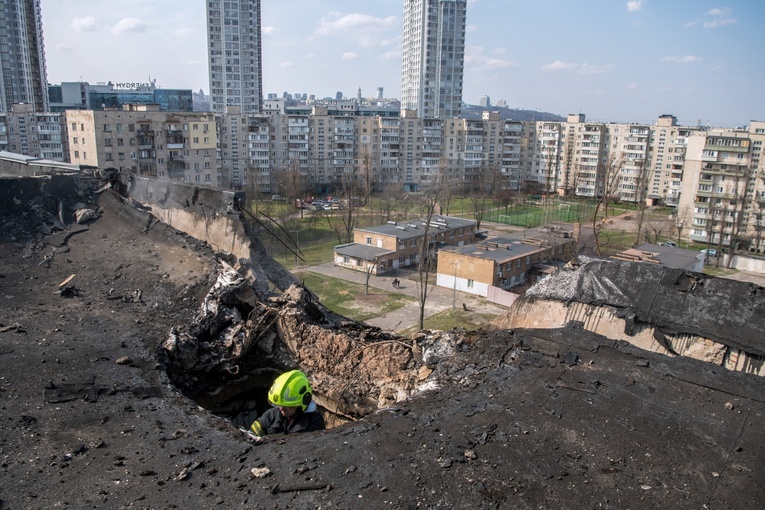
{"x":504,"y":262}
{"x":384,"y":248}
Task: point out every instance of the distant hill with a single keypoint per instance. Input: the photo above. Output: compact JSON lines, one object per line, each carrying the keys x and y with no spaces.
{"x":473,"y":111}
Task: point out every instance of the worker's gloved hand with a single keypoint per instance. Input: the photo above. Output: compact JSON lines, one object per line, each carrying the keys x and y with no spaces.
{"x":252,"y":437}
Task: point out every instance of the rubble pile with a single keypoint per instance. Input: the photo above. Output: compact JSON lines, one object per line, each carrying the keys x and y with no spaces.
{"x":241,"y":337}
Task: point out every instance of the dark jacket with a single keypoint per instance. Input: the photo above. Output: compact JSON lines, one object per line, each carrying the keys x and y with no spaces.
{"x":272,"y":422}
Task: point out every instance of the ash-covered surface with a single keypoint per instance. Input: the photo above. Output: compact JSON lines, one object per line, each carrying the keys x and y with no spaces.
{"x":531,"y":419}
{"x":673,"y":300}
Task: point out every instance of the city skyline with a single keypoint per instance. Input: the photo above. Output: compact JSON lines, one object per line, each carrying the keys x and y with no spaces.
{"x":696,"y":60}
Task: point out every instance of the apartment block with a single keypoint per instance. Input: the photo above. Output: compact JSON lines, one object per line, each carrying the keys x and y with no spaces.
{"x":433,"y":57}
{"x":667,"y":159}
{"x":723,"y":188}
{"x":22,"y":57}
{"x":166,"y":145}
{"x":234,"y":55}
{"x":36,"y":134}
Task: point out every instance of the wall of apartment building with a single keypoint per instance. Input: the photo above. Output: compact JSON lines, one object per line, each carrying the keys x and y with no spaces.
{"x":164,"y":145}
{"x":409,"y":152}
{"x":723,"y":188}
{"x":34,"y":134}
{"x":583,"y":157}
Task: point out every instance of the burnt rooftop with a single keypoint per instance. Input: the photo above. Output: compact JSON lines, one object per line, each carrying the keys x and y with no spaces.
{"x":115,"y":331}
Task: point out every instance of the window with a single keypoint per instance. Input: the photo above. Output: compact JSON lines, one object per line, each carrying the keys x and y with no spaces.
{"x":401,"y":259}
{"x":470,"y":284}
{"x":412,"y":257}
{"x":358,"y":262}
{"x":369,"y":240}
{"x":518,"y":263}
{"x":76,"y":154}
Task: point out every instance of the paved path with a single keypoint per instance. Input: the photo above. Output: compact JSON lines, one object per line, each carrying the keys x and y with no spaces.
{"x":438,"y":300}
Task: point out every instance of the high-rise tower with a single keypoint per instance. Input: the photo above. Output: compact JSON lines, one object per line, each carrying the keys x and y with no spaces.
{"x":433,"y":57}
{"x":23,"y":78}
{"x":234,"y":55}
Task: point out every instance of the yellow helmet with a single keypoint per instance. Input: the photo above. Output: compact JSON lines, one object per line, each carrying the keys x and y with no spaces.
{"x":291,"y":389}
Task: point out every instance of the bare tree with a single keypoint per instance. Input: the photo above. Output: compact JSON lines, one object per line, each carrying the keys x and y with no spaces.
{"x":739,"y":206}
{"x":612,"y":174}
{"x":349,"y":216}
{"x":426,"y":264}
{"x":383,"y":207}
{"x":683,"y":219}
{"x":568,"y":164}
{"x":481,"y":195}
{"x":367,"y":174}
{"x":641,"y":183}
{"x":371,"y":268}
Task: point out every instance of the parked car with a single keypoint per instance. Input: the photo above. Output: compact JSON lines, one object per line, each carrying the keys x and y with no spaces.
{"x":277,"y":198}
{"x":671,"y":244}
{"x":709,"y":252}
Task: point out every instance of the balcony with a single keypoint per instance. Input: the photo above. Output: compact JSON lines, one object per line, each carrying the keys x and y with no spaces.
{"x":726,"y":148}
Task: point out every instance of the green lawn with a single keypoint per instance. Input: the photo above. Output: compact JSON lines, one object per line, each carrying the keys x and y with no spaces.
{"x":349,"y":299}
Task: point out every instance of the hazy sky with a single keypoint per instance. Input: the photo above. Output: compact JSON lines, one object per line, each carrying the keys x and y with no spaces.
{"x":613,"y":60}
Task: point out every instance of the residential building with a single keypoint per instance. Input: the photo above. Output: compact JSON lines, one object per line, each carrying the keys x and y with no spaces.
{"x":723,"y":188}
{"x":583,"y":157}
{"x":667,"y":159}
{"x":23,"y":76}
{"x":504,"y":262}
{"x":433,"y":57}
{"x":166,"y":145}
{"x":84,"y":96}
{"x":384,"y":248}
{"x":512,"y":148}
{"x":30,"y":133}
{"x":234,"y":53}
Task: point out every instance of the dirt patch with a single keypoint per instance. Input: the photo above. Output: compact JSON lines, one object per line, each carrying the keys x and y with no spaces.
{"x":367,"y":303}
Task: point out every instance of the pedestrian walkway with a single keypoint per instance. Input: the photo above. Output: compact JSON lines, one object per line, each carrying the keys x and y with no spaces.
{"x":439,"y":298}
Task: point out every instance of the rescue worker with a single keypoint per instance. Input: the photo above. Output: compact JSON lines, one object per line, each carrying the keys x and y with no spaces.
{"x":294,"y":409}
